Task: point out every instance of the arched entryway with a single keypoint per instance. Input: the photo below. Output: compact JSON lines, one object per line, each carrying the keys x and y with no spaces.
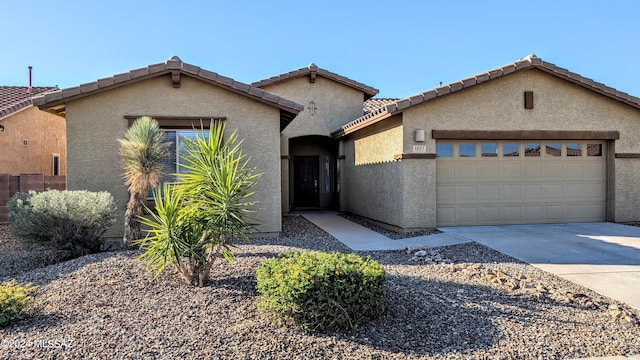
{"x":313,"y":176}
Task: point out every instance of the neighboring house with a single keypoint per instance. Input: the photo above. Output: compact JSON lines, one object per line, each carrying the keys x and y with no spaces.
{"x":31,"y":141}
{"x":525,"y":143}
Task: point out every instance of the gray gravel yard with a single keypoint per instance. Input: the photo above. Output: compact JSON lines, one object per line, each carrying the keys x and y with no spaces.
{"x":445,"y":305}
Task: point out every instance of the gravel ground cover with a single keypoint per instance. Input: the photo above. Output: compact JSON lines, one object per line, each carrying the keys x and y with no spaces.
{"x":447,"y":303}
{"x":386,"y":232}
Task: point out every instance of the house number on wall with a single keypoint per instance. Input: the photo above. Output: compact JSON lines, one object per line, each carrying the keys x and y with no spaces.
{"x":422,"y":149}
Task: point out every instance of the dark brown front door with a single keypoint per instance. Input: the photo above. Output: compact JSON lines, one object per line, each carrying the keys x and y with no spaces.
{"x":306,"y":181}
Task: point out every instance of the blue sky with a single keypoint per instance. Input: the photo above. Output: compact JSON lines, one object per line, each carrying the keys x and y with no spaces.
{"x":401,"y":47}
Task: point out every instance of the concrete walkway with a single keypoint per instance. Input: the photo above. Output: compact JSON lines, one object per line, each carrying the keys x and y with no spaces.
{"x":360,"y":238}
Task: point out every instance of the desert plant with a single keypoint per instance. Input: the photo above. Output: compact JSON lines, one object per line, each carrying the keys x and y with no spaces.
{"x":14,"y":297}
{"x":321,"y":291}
{"x":142,"y":151}
{"x":67,"y":220}
{"x":205,"y":212}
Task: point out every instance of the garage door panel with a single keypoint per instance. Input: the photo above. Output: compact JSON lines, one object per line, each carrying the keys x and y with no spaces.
{"x":510,"y":192}
{"x":446,"y":215}
{"x":553,"y":192}
{"x":532,"y":171}
{"x":573,"y":171}
{"x":466,"y":215}
{"x":533,"y":213}
{"x":553,"y":212}
{"x":466,"y":193}
{"x":593,"y":171}
{"x":585,"y":212}
{"x":532,"y":192}
{"x":489,"y":172}
{"x":489,"y":193}
{"x":446,"y":172}
{"x":521,"y":189}
{"x":510,"y":171}
{"x":511,"y":213}
{"x":446,"y":194}
{"x":466,"y":172}
{"x":489,"y":214}
{"x":552,"y":171}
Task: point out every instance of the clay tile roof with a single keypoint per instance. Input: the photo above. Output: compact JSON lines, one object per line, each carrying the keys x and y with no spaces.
{"x":14,"y":98}
{"x":54,"y":101}
{"x":528,"y":62}
{"x":376,"y":103}
{"x":313,"y":70}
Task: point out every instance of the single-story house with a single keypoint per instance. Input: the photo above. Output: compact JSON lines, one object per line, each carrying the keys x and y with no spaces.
{"x":528,"y":142}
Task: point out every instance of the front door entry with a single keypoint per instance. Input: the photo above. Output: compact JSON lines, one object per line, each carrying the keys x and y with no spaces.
{"x":306,"y":181}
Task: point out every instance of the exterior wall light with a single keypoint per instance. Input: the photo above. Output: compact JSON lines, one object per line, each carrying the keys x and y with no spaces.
{"x":1,"y":128}
{"x":419,"y":135}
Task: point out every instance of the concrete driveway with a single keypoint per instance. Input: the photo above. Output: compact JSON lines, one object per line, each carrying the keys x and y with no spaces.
{"x":604,"y":257}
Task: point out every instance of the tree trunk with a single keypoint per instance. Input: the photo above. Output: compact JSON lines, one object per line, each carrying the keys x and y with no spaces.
{"x":131,"y":224}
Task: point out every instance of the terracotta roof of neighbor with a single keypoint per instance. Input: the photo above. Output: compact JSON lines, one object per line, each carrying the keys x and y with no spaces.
{"x":55,"y":101}
{"x":529,"y":62}
{"x":14,"y":98}
{"x":313,"y":70}
{"x":375,"y":103}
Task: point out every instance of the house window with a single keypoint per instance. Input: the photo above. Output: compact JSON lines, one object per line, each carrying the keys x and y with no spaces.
{"x":444,"y":150}
{"x":574,"y":149}
{"x":510,"y":150}
{"x":532,"y":150}
{"x":594,"y":149}
{"x":489,"y":149}
{"x":173,"y":162}
{"x":467,"y":149}
{"x":553,"y":149}
{"x":55,"y":168}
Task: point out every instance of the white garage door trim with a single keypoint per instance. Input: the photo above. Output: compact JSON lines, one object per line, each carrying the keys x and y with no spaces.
{"x":514,"y":182}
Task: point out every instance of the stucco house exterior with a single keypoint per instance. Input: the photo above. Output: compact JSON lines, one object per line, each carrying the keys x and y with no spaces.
{"x":528,"y":142}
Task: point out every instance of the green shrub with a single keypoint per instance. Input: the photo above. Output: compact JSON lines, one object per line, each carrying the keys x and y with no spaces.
{"x":321,"y":291}
{"x":14,"y":297}
{"x":67,"y":220}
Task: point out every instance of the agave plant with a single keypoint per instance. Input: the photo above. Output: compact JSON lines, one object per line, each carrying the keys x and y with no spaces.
{"x":204,"y":213}
{"x":142,"y":150}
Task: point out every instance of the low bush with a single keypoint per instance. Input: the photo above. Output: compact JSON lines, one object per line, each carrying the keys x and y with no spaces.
{"x":321,"y":291}
{"x":67,"y":220}
{"x":14,"y":297}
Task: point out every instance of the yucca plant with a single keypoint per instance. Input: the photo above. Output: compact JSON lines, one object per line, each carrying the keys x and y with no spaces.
{"x":142,"y":151}
{"x":204,"y":213}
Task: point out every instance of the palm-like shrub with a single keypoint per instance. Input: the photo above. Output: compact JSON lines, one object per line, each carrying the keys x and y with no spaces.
{"x":205,"y":212}
{"x":142,"y":150}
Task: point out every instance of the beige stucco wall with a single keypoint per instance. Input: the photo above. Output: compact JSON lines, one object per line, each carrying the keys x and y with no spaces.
{"x":45,"y":136}
{"x":498,"y":105}
{"x":94,"y":123}
{"x":375,"y":189}
{"x":335,"y":103}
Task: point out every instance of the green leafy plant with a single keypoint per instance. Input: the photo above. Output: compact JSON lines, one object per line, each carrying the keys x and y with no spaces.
{"x":205,"y":212}
{"x":142,"y":151}
{"x":14,"y":297}
{"x":67,"y":220}
{"x":321,"y":291}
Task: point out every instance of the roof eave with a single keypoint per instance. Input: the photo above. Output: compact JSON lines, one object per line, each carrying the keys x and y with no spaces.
{"x":172,"y":67}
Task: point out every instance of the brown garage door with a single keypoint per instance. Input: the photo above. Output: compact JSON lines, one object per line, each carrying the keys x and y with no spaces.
{"x":520,"y":182}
